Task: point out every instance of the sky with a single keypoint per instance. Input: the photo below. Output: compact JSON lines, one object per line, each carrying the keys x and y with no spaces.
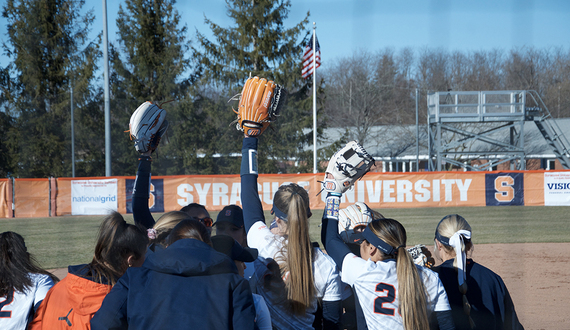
{"x":348,"y":26}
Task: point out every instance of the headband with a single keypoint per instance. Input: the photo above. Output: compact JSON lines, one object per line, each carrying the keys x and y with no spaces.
{"x":377,"y":242}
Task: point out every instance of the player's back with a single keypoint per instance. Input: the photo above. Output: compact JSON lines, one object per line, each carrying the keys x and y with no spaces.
{"x":17,"y":307}
{"x":376,"y":286}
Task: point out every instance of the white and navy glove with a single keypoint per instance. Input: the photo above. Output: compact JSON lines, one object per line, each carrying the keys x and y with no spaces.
{"x":147,"y":126}
{"x":422,"y":256}
{"x":352,"y":217}
{"x":345,"y":167}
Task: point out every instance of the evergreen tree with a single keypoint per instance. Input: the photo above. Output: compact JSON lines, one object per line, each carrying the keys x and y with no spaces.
{"x":259,"y":44}
{"x":47,"y":42}
{"x":147,"y":67}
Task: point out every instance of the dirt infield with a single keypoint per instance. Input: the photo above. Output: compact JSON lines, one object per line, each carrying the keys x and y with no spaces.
{"x":536,"y":274}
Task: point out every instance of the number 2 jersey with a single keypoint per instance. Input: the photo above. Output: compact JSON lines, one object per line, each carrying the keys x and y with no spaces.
{"x":17,"y":308}
{"x":376,"y":286}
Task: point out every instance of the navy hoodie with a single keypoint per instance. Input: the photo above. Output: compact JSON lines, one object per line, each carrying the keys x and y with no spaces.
{"x":187,"y":285}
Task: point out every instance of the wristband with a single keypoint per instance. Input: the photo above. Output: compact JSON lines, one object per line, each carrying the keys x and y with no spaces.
{"x":332,"y":205}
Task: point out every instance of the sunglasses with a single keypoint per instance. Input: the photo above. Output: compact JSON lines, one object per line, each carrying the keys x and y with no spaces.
{"x":207,"y":221}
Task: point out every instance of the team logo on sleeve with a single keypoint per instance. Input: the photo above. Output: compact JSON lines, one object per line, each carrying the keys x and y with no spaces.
{"x":504,"y":189}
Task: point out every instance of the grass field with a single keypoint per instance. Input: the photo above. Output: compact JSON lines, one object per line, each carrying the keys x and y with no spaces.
{"x":61,"y":241}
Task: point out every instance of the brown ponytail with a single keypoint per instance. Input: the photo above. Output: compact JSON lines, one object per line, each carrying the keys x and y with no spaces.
{"x":412,"y":294}
{"x":116,"y":242}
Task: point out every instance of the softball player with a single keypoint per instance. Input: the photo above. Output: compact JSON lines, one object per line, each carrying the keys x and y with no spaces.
{"x":291,"y":274}
{"x":478,"y":297}
{"x":392,"y":291}
{"x":23,"y":284}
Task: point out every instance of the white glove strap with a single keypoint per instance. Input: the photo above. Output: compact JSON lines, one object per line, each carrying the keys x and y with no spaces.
{"x":456,"y":241}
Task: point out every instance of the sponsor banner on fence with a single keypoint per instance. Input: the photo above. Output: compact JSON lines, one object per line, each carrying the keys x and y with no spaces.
{"x":156,"y":196}
{"x":93,"y":196}
{"x":556,"y":188}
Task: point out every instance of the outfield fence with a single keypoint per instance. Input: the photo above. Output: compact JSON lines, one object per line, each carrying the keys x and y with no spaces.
{"x":99,"y":195}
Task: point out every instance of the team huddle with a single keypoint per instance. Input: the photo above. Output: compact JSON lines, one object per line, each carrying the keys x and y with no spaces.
{"x":173,"y":273}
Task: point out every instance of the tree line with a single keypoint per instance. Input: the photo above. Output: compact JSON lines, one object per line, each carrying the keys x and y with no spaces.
{"x":156,"y":58}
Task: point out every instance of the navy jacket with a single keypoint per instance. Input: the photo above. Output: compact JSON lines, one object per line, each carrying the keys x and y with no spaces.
{"x":188,"y":285}
{"x":491,"y":304}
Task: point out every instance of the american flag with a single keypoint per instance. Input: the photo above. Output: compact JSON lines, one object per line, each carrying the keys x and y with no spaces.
{"x":308,"y":58}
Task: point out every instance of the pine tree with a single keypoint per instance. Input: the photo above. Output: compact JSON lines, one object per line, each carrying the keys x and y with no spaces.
{"x":47,"y":42}
{"x":259,"y":44}
{"x":148,"y":66}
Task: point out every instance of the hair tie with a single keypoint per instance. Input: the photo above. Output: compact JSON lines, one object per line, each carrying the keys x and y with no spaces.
{"x":151,"y":233}
{"x":455,"y":242}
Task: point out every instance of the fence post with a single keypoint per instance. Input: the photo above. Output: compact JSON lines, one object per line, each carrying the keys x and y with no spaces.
{"x":52,"y":197}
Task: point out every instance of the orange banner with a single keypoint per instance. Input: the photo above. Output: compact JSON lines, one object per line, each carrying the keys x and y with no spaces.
{"x":5,"y":198}
{"x":378,"y":190}
{"x":31,"y":198}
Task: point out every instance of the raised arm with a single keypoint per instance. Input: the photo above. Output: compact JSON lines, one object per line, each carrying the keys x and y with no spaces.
{"x":141,"y":192}
{"x":334,"y":244}
{"x":252,"y":209}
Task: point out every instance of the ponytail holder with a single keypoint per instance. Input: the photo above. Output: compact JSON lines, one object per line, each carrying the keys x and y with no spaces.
{"x":456,"y":241}
{"x":151,"y":233}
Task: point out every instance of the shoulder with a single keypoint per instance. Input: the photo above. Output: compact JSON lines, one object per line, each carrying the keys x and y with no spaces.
{"x":483,"y":274}
{"x":40,"y":280}
{"x":323,"y":259}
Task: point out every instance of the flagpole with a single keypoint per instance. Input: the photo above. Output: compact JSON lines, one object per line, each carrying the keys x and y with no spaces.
{"x":314,"y":97}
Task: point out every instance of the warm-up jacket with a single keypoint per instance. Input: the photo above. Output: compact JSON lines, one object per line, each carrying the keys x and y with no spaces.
{"x":71,"y":303}
{"x":491,"y":303}
{"x":188,"y":285}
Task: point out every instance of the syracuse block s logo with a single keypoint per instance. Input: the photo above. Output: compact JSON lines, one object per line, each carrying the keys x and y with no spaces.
{"x":504,"y":189}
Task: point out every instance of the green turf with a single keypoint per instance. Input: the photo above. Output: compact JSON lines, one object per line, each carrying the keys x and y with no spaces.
{"x":61,"y":241}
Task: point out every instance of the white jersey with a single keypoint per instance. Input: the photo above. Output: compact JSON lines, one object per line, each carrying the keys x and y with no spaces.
{"x":18,"y":308}
{"x":376,"y":286}
{"x":326,"y":277}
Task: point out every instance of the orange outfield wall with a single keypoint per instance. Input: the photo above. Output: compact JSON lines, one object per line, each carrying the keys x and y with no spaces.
{"x":378,"y":190}
{"x":31,"y":198}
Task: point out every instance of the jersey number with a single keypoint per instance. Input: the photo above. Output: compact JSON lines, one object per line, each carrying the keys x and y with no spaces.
{"x":388,"y":295}
{"x":8,"y":301}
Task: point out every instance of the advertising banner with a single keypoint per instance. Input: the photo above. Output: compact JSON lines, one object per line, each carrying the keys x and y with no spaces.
{"x":93,"y":196}
{"x":557,"y":188}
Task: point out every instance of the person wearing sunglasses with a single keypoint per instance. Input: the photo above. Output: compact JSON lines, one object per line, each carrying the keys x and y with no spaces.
{"x":199,"y":212}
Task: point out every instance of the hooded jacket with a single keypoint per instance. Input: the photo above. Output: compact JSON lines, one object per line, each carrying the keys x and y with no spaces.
{"x":71,"y":303}
{"x":187,"y":285}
